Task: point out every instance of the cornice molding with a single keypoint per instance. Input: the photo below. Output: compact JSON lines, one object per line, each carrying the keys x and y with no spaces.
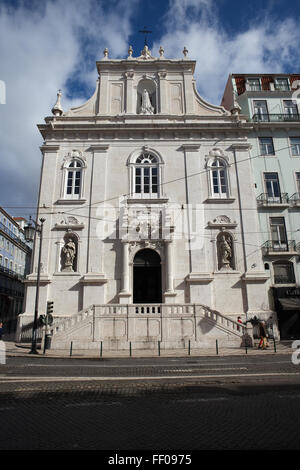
{"x":191,"y":147}
{"x":99,"y":148}
{"x":49,"y":148}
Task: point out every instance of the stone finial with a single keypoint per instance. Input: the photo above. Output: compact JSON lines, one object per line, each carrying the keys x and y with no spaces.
{"x":161,"y":52}
{"x":57,"y":108}
{"x":130,"y":52}
{"x":185,"y":52}
{"x":105,"y":54}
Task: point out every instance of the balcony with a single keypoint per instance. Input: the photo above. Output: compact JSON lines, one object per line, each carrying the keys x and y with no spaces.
{"x":276,"y":118}
{"x":13,"y":236}
{"x":277,"y":247}
{"x":11,"y":273}
{"x":294,"y":199}
{"x":265,"y":200}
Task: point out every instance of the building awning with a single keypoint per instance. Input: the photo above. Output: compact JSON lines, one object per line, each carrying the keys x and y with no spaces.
{"x":290,"y":304}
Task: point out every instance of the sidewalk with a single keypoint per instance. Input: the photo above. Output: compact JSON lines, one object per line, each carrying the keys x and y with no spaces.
{"x":22,"y":350}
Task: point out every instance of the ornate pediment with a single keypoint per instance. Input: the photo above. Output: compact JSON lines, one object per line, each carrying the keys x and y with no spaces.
{"x":69,"y":223}
{"x":222,"y":221}
{"x":73,"y":155}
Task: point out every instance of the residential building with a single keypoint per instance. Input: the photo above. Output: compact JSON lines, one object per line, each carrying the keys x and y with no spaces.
{"x":271,"y":105}
{"x":15,"y":256}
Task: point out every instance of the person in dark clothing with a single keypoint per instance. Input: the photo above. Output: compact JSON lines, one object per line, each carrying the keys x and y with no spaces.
{"x":1,"y":329}
{"x":263,"y":344}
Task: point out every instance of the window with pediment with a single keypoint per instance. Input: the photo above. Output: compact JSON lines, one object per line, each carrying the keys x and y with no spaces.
{"x":73,"y":181}
{"x":145,"y":175}
{"x":73,"y":176}
{"x":218,"y":178}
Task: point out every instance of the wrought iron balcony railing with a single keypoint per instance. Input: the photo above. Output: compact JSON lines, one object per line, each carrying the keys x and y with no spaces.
{"x":280,"y":246}
{"x":265,"y":199}
{"x":12,"y":235}
{"x":275,"y":117}
{"x":295,"y":198}
{"x":11,"y":273}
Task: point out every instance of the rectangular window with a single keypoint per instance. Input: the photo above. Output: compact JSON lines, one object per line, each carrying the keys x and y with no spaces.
{"x":278,"y":233}
{"x":254,"y":84}
{"x":282,"y":84}
{"x":284,"y":273}
{"x":295,"y":145}
{"x":266,"y":146}
{"x":146,"y":180}
{"x":272,"y":187}
{"x":260,"y":110}
{"x":290,"y":108}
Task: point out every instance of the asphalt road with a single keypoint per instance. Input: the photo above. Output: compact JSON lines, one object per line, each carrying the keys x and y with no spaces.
{"x":155,"y":404}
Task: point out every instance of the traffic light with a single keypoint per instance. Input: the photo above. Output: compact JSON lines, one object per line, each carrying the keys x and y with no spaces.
{"x":49,"y":307}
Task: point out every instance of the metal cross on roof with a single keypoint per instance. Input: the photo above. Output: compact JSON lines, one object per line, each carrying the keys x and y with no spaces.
{"x":145,"y":31}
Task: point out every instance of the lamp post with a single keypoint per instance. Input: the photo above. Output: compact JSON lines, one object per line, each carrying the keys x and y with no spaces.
{"x":30,"y":232}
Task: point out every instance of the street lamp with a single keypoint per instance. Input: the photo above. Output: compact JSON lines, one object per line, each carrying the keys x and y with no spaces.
{"x":30,"y":233}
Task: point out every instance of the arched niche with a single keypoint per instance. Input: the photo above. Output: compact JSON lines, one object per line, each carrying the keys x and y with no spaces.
{"x":225,"y":251}
{"x":150,"y":86}
{"x":69,"y":253}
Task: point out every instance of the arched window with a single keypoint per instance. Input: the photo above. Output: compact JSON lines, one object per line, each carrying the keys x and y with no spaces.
{"x":219,"y":179}
{"x":146,"y":176}
{"x":73,"y":180}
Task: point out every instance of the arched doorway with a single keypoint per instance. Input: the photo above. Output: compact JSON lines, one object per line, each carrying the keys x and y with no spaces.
{"x":147,"y":277}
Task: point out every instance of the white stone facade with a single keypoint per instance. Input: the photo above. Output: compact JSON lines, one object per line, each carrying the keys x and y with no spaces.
{"x":175,"y":179}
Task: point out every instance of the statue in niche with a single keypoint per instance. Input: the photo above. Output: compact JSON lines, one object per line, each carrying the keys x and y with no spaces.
{"x":68,"y":255}
{"x":225,"y":252}
{"x":146,"y":106}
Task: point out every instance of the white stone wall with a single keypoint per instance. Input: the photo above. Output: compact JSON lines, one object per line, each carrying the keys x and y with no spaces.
{"x":186,"y":143}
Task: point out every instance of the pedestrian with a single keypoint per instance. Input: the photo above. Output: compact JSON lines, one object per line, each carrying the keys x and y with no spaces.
{"x":263,"y":344}
{"x":1,"y":329}
{"x":239,"y":320}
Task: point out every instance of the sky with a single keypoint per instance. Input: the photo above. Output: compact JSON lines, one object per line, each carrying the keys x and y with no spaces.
{"x":46,"y":45}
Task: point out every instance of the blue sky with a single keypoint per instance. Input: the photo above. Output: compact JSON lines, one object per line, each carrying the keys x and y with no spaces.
{"x":53,"y":44}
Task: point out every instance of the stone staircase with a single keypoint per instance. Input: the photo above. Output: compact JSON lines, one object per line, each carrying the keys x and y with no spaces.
{"x":115,"y":326}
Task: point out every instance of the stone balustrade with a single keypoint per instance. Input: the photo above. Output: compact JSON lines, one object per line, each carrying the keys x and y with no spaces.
{"x":115,"y":325}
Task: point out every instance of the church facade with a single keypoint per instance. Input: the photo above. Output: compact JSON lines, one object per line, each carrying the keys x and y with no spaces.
{"x":151,"y":231}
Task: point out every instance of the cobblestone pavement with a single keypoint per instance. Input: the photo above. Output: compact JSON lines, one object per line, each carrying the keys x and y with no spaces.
{"x":168,"y":417}
{"x":245,"y":402}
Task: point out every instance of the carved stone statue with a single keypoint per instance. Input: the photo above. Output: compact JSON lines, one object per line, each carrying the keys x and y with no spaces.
{"x":68,"y":255}
{"x":146,"y":107}
{"x":225,"y":252}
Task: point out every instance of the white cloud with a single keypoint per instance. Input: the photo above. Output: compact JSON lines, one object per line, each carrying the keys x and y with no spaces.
{"x":266,"y":46}
{"x":55,"y":44}
{"x":41,"y":49}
